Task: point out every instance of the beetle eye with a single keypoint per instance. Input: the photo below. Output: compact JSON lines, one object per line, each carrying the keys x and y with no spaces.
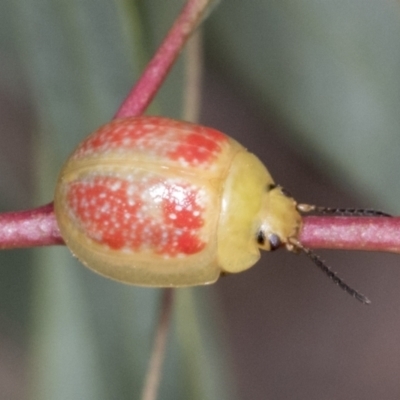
{"x":274,"y":241}
{"x":261,"y":238}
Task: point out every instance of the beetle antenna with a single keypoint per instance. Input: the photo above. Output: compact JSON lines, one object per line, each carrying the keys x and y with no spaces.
{"x":360,"y":212}
{"x":332,"y":275}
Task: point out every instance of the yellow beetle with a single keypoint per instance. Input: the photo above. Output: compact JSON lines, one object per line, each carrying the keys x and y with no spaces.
{"x":156,"y":202}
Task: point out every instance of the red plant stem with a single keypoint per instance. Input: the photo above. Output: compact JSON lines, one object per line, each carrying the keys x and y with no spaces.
{"x":37,"y":227}
{"x":156,"y":71}
{"x":352,"y":233}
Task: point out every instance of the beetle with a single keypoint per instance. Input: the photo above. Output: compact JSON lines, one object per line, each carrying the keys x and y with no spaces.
{"x":156,"y":202}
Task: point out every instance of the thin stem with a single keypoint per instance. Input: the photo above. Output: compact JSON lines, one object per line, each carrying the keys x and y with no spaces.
{"x":153,"y":375}
{"x":38,"y":227}
{"x":193,"y":76}
{"x":150,"y":81}
{"x":352,"y":233}
{"x":30,"y":228}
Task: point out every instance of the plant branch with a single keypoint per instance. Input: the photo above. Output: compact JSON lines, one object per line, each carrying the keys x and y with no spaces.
{"x":193,"y":77}
{"x":156,"y":71}
{"x":153,"y":375}
{"x":31,"y":228}
{"x":38,"y":227}
{"x":352,"y":233}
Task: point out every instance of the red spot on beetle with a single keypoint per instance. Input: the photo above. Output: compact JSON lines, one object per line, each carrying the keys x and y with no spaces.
{"x":101,"y":207}
{"x":189,"y":243}
{"x":156,"y":137}
{"x":181,"y":207}
{"x":118,"y":135}
{"x":164,"y":217}
{"x":196,"y":149}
